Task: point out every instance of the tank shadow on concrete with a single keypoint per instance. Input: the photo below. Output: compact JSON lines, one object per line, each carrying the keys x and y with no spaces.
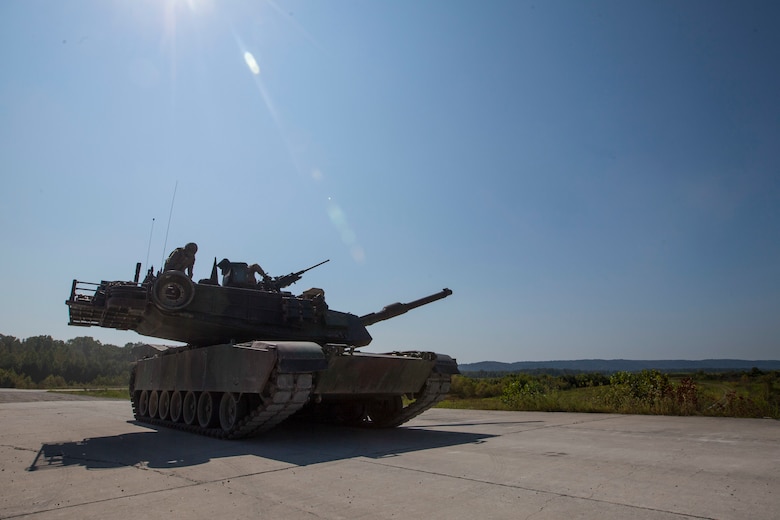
{"x":300,"y":444}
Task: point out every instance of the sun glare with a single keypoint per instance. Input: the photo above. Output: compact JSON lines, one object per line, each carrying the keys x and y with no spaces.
{"x":251,"y":63}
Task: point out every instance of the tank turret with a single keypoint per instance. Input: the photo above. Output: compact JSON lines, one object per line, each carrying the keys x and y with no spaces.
{"x":171,"y":306}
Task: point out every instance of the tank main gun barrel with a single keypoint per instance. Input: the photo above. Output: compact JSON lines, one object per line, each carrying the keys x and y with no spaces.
{"x":396,"y":309}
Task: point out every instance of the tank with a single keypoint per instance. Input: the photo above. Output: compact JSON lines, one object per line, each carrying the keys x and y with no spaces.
{"x":256,"y":354}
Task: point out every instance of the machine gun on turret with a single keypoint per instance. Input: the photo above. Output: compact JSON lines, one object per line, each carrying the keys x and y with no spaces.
{"x":277,"y":283}
{"x":396,"y":309}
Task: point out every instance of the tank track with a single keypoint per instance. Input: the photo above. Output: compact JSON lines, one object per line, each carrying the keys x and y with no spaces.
{"x":284,"y":395}
{"x":436,"y":388}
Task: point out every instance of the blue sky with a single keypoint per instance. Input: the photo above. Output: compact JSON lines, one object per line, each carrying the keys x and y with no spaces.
{"x":592,"y":179}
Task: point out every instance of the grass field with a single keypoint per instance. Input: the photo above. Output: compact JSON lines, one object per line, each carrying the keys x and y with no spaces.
{"x":747,"y":394}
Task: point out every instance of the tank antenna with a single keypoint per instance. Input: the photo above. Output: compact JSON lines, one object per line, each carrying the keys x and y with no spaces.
{"x":149,"y":247}
{"x":170,"y":214}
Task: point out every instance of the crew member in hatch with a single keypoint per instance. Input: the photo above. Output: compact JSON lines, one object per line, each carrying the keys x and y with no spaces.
{"x":182,"y":259}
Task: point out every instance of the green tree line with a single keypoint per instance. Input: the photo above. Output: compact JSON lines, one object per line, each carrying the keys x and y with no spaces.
{"x":43,"y":362}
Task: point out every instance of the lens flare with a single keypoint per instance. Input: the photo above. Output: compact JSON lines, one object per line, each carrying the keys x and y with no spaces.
{"x":339,"y":221}
{"x":251,"y":63}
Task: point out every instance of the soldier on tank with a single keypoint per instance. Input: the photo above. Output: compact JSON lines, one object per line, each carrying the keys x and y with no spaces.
{"x":182,"y":259}
{"x":239,"y":274}
{"x":256,"y":269}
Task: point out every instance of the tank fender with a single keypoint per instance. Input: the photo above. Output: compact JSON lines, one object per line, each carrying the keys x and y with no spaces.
{"x":446,"y":365}
{"x":295,"y":357}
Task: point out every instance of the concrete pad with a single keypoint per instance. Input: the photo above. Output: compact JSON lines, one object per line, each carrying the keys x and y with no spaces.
{"x":88,"y":459}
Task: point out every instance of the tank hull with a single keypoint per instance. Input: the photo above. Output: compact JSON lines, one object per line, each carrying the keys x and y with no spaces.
{"x":240,"y":390}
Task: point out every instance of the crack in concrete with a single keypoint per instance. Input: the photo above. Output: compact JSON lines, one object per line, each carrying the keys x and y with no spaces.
{"x":549,"y":426}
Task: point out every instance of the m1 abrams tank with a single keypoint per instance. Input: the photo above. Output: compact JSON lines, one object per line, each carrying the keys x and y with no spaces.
{"x":257,"y":354}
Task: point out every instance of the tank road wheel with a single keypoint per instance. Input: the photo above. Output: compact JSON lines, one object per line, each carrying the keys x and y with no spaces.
{"x":164,"y":405}
{"x":176,"y":406}
{"x":207,"y":410}
{"x":232,"y":408}
{"x":143,"y":404}
{"x":173,"y":291}
{"x":382,"y":413}
{"x":190,"y":411}
{"x":154,"y":401}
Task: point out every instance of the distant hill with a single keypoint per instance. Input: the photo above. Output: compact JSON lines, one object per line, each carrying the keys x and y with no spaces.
{"x":622,"y":365}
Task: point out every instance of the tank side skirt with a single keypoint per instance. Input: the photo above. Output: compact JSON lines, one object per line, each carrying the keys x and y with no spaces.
{"x":430,"y":373}
{"x":436,"y":388}
{"x":242,"y":368}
